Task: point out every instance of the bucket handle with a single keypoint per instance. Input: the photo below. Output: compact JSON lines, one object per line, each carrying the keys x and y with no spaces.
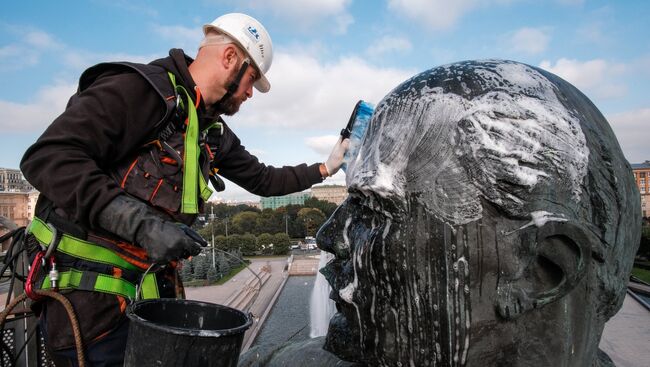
{"x":138,"y":287}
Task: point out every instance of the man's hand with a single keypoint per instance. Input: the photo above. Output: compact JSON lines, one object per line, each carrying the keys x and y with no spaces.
{"x":335,"y":160}
{"x":166,"y":241}
{"x":136,"y":222}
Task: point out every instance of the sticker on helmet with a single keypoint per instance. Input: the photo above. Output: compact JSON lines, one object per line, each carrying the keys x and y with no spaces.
{"x":252,"y":33}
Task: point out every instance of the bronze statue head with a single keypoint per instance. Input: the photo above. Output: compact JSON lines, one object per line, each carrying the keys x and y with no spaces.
{"x":492,"y":220}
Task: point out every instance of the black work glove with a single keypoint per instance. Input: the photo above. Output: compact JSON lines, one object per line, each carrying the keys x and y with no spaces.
{"x":138,"y":223}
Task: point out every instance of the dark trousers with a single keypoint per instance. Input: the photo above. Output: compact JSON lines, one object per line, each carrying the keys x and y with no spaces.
{"x":105,"y":352}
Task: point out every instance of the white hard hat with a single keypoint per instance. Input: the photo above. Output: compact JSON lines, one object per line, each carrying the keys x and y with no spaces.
{"x":252,"y":37}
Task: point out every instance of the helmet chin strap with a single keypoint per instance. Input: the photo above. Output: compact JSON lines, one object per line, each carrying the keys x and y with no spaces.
{"x":232,"y":88}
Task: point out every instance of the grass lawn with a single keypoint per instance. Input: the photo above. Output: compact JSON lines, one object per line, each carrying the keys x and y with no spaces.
{"x":642,"y":274}
{"x":267,"y":257}
{"x":204,"y":282}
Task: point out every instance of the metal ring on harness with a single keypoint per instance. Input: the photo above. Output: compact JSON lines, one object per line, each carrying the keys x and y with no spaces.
{"x":54,"y":242}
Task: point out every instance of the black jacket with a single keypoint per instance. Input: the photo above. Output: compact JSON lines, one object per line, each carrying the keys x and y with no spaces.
{"x":113,"y":117}
{"x":102,"y":126}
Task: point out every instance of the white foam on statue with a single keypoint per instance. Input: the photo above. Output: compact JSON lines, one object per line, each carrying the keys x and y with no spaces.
{"x":322,"y":308}
{"x":518,"y":132}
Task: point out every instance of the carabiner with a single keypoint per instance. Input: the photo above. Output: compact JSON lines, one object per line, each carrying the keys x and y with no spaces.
{"x":33,"y":270}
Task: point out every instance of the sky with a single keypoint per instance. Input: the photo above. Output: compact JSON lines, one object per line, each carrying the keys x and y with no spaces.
{"x":328,"y":54}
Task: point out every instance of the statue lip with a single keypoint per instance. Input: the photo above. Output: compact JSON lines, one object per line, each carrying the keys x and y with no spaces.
{"x":330,"y":272}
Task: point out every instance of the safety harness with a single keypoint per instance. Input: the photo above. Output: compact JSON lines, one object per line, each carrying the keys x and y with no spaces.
{"x":191,"y":153}
{"x":83,"y":265}
{"x":84,"y":279}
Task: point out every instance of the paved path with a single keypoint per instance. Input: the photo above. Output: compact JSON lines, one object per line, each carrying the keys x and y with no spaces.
{"x":626,"y":337}
{"x":221,"y":293}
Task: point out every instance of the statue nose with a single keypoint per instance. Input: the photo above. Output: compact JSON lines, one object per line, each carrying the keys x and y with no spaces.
{"x":326,"y":236}
{"x":331,"y":232}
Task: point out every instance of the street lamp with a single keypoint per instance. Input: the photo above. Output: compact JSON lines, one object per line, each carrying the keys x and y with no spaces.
{"x":212,"y":232}
{"x":286,"y":223}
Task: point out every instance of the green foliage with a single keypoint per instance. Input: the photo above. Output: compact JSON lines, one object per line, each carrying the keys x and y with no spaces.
{"x":269,"y":221}
{"x":201,"y":266}
{"x":233,"y":242}
{"x":264,"y":241}
{"x":312,"y":219}
{"x":249,"y":245}
{"x":298,"y":220}
{"x":281,"y":244}
{"x":245,"y":222}
{"x":641,"y":274}
{"x":221,"y":242}
{"x":223,"y":265}
{"x":644,"y":246}
{"x":324,"y":206}
{"x":212,"y":275}
{"x":186,"y":270}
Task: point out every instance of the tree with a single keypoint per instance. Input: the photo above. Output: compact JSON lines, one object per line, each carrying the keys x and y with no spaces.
{"x":324,"y":206}
{"x":224,"y":265}
{"x":221,"y":242}
{"x":245,"y":222}
{"x":644,"y":246}
{"x":249,"y":245}
{"x":270,"y":221}
{"x":312,"y":219}
{"x":212,"y":275}
{"x":296,"y":227}
{"x":264,"y":240}
{"x":186,"y":270}
{"x":233,"y":242}
{"x":200,"y":267}
{"x":281,"y":244}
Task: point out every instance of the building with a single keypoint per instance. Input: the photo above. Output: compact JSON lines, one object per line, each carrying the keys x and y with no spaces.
{"x":275,"y":202}
{"x":18,"y":206}
{"x":642,"y":176}
{"x":12,"y":180}
{"x":6,"y":226}
{"x":332,"y":193}
{"x":252,"y":204}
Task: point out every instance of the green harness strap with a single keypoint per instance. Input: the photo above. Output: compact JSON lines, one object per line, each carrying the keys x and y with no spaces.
{"x":192,"y":178}
{"x":78,"y":248}
{"x":88,"y":280}
{"x":91,"y":281}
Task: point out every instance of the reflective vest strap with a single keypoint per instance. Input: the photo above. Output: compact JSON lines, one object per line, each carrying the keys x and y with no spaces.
{"x":91,"y":281}
{"x":193,"y":180}
{"x":149,"y":287}
{"x":78,"y":248}
{"x":206,"y":192}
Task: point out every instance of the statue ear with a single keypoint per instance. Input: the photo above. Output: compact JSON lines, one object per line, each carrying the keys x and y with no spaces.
{"x":560,"y":260}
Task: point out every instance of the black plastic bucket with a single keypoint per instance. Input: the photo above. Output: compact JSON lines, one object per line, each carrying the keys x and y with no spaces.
{"x":172,"y":332}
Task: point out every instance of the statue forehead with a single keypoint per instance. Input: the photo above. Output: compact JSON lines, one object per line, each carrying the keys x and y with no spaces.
{"x":453,"y":134}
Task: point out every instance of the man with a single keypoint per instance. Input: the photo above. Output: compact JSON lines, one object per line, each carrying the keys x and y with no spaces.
{"x":492,"y":221}
{"x":127,"y":163}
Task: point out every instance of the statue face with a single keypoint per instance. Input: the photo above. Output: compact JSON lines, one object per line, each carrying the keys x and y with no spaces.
{"x":464,"y":239}
{"x":410,"y":287}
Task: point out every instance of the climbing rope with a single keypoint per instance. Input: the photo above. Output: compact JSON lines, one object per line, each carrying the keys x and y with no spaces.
{"x":68,"y":307}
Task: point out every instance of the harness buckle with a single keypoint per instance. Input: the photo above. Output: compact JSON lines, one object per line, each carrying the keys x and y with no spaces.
{"x":40,"y":262}
{"x":53,"y":275}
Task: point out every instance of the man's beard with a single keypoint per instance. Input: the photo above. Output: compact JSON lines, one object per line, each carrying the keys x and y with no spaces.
{"x":230,"y":106}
